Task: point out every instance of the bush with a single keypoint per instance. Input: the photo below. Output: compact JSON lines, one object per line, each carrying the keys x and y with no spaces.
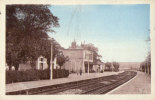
{"x":44,"y":74}
{"x":33,"y":75}
{"x":116,"y":66}
{"x":60,"y":73}
{"x":101,"y":71}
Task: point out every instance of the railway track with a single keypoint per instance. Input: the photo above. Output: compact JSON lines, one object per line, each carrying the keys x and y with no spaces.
{"x":99,"y":85}
{"x":94,"y":86}
{"x":104,"y":88}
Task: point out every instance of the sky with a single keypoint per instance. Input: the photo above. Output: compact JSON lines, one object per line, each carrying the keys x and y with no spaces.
{"x":118,"y":31}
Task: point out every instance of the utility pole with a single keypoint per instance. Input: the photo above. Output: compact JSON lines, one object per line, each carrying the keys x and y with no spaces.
{"x":88,"y":64}
{"x":55,"y":62}
{"x":51,"y":62}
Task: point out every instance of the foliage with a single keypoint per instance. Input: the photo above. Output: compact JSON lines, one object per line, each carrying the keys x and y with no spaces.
{"x":60,"y":73}
{"x":26,"y":26}
{"x":61,"y":59}
{"x":101,"y":71}
{"x":94,"y":49}
{"x":146,"y":65}
{"x":116,"y":66}
{"x":108,"y":66}
{"x":21,"y":76}
{"x":33,"y":75}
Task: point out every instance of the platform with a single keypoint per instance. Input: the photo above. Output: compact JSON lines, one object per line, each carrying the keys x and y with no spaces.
{"x":41,"y":83}
{"x":141,"y":84}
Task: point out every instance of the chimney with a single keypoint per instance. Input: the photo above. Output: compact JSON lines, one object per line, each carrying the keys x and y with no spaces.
{"x":73,"y":44}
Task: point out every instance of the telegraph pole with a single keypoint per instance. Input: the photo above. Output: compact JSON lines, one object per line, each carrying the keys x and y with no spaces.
{"x":51,"y":62}
{"x":88,"y":64}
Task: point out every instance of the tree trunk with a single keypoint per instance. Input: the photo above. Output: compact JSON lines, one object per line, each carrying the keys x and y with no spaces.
{"x":48,"y":63}
{"x":33,"y":64}
{"x":10,"y":67}
{"x":16,"y":67}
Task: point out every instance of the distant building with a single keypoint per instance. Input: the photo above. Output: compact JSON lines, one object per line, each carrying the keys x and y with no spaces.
{"x":41,"y":63}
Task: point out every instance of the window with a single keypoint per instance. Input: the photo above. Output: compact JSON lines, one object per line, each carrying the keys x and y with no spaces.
{"x":90,"y":56}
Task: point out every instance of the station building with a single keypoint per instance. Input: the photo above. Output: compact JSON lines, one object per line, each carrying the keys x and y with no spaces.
{"x":79,"y":59}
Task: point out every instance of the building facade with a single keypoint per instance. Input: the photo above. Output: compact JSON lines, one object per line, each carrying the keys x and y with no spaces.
{"x":80,"y":59}
{"x":41,"y":64}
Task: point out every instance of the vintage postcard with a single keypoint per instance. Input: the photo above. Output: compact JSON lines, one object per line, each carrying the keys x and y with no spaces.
{"x":77,"y":49}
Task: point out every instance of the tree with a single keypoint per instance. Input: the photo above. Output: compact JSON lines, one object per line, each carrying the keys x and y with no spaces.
{"x":116,"y":66}
{"x":94,"y":49}
{"x":108,"y":66}
{"x":61,"y":59}
{"x":145,"y":66}
{"x":26,"y":25}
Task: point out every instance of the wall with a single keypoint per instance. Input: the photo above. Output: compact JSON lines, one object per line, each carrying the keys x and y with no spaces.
{"x":75,"y":62}
{"x":77,"y":59}
{"x":27,"y":66}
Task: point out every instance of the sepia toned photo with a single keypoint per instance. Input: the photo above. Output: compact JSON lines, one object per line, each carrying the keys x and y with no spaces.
{"x":77,"y":49}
